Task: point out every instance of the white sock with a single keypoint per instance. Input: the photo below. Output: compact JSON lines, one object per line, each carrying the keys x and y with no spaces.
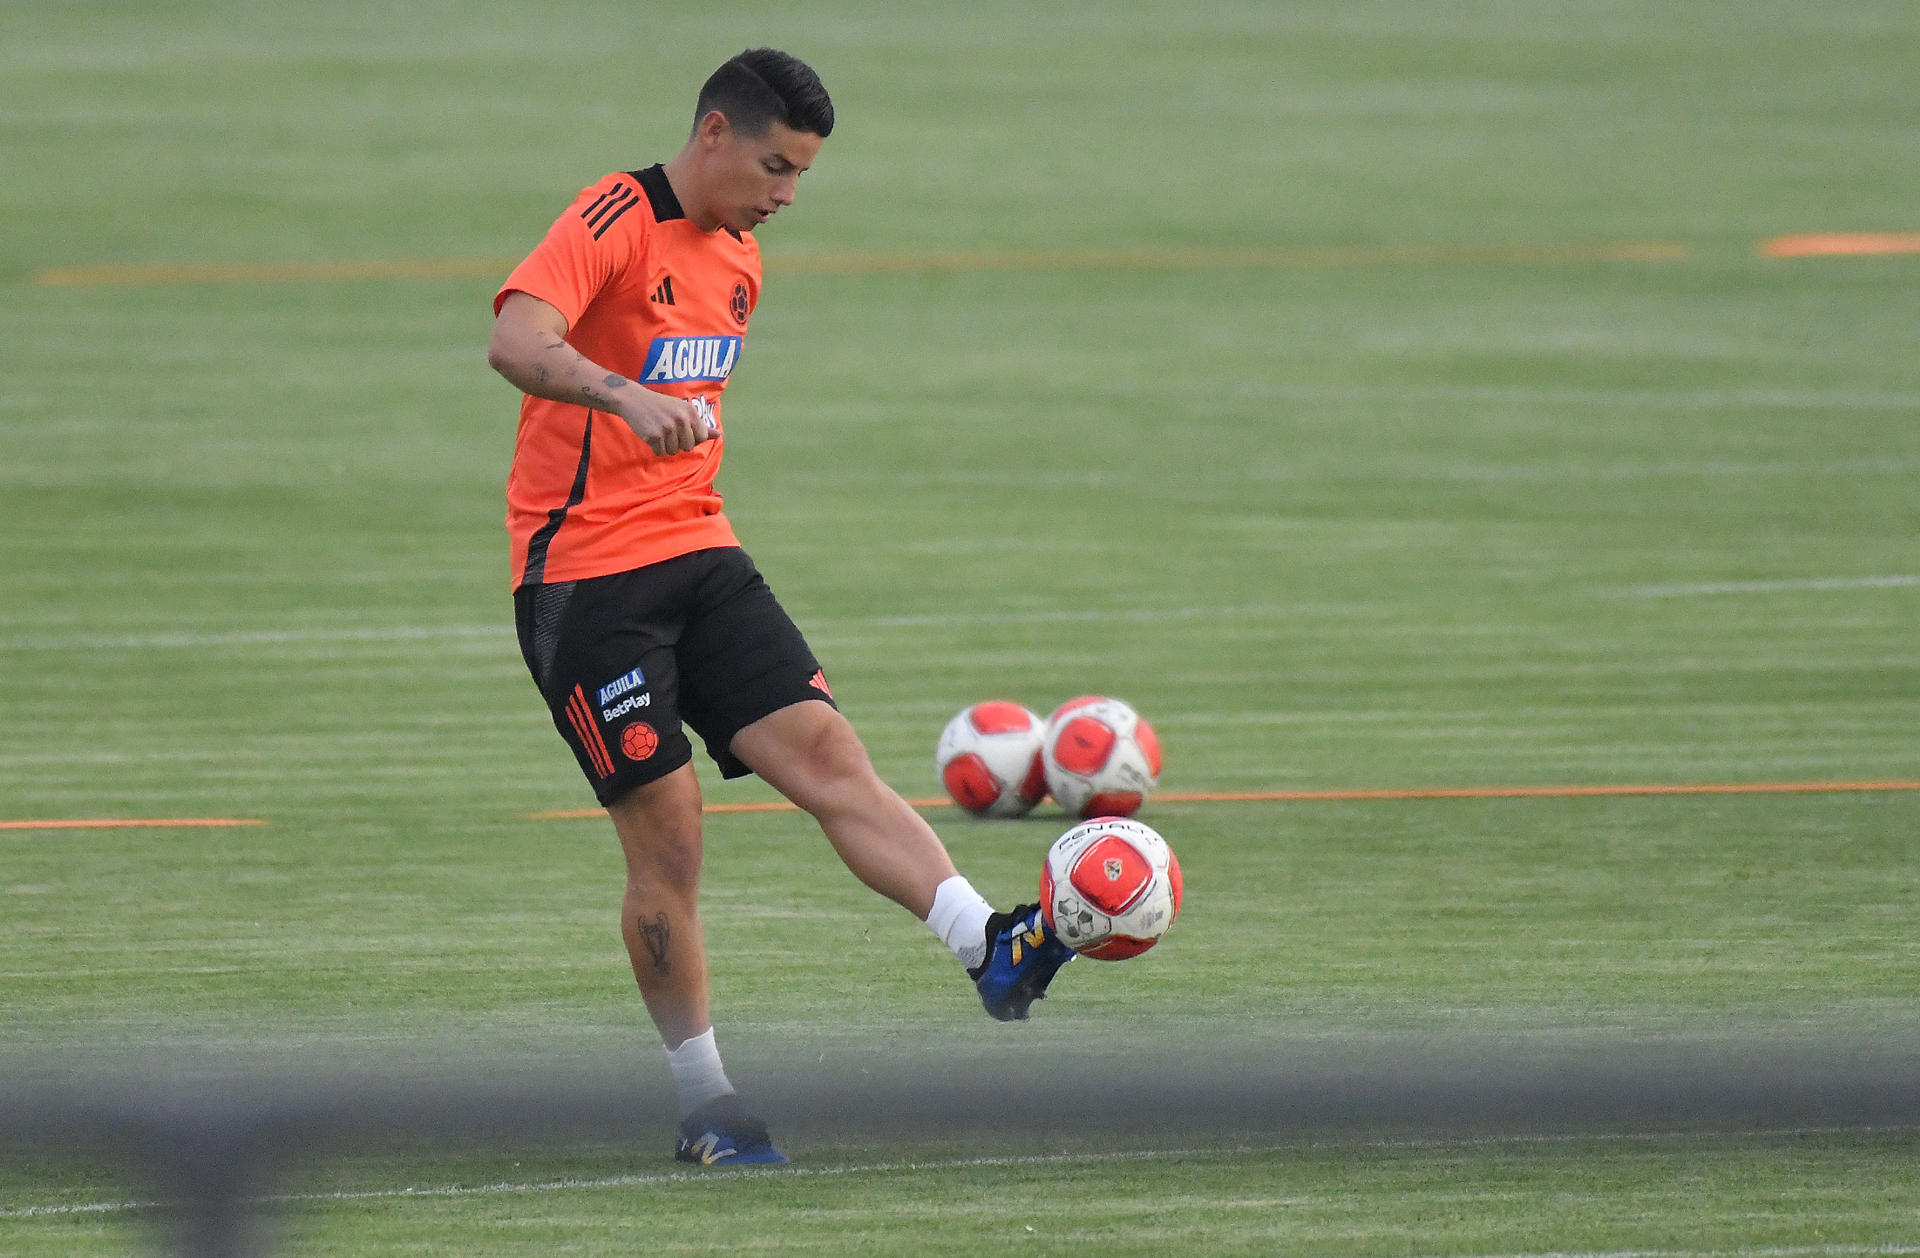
{"x":697,"y":1072}
{"x":959,"y":920}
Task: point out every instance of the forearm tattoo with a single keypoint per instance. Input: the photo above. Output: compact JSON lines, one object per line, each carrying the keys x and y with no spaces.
{"x":599,"y":399}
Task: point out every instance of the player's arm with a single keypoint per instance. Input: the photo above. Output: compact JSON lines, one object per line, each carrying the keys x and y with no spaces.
{"x":529,"y":348}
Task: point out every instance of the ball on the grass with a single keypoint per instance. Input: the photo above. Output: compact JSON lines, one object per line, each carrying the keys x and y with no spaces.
{"x":988,"y":758}
{"x":1101,"y":758}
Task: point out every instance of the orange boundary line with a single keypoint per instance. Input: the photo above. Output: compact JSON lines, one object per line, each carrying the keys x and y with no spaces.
{"x":126,"y":823}
{"x":1538,"y":792}
{"x":1436,"y":792}
{"x":1842,"y":245}
{"x":1172,"y":257}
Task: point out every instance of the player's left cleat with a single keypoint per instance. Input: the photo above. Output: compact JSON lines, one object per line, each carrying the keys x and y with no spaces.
{"x":723,"y":1133}
{"x":1023,"y":955}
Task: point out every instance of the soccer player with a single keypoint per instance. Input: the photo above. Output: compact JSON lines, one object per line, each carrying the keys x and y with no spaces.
{"x":636,"y":607}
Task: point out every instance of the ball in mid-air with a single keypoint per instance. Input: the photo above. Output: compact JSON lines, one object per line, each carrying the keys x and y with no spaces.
{"x":1101,"y":758}
{"x":988,"y":758}
{"x":1110,"y":888}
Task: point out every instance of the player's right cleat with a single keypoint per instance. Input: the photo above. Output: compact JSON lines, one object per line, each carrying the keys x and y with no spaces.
{"x":723,"y":1133}
{"x":1023,"y":955}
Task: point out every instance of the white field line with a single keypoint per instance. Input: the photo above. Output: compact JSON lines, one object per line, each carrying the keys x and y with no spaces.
{"x":1706,"y":588}
{"x":1687,"y":399}
{"x":195,"y":640}
{"x":510,"y":1188}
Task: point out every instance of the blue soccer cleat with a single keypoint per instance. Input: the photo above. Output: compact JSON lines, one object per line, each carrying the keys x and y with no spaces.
{"x":1023,"y":955}
{"x":723,"y":1133}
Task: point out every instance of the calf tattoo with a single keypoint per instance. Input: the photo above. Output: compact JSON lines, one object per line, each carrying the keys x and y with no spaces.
{"x":656,"y":937}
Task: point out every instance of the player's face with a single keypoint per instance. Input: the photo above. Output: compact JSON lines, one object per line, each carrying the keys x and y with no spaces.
{"x":757,"y":176}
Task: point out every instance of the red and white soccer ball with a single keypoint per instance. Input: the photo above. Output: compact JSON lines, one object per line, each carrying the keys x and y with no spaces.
{"x":988,"y":758}
{"x":1101,"y":758}
{"x":1110,"y":888}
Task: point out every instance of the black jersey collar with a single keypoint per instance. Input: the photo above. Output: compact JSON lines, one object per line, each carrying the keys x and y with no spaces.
{"x":653,"y":182}
{"x":666,"y":206}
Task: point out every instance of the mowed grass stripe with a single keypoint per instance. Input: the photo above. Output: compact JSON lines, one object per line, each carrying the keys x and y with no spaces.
{"x":131,"y":823}
{"x":1169,"y":797}
{"x":1129,"y":259}
{"x":188,"y":639}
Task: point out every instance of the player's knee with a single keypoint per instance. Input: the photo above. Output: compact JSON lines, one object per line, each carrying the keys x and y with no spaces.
{"x":670,"y":862}
{"x":833,"y":755}
{"x":660,"y":834}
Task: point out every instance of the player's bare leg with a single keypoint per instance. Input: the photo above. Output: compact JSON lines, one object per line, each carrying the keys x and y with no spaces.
{"x":659,"y":829}
{"x":810,"y":753}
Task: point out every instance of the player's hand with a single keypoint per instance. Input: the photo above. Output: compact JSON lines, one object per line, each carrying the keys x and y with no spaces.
{"x":669,"y":425}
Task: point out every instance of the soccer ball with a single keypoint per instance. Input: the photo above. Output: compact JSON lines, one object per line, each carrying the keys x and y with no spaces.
{"x":1110,"y":888}
{"x":1101,"y":758}
{"x":988,"y":758}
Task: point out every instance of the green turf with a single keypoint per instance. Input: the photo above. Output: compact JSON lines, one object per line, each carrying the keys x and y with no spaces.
{"x":1809,"y":1194}
{"x":1330,"y":526}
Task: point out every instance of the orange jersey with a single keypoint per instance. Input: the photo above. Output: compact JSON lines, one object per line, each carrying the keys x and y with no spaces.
{"x":649,"y":295}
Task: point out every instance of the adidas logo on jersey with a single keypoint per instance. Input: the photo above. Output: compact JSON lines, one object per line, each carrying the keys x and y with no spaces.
{"x":671,"y":359}
{"x":664,"y":293}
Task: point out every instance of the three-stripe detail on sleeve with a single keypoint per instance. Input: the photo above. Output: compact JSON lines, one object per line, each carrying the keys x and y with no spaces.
{"x":583,"y":724}
{"x":612,"y":203}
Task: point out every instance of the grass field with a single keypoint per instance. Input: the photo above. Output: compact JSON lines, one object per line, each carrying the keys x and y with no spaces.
{"x":1378,"y":396}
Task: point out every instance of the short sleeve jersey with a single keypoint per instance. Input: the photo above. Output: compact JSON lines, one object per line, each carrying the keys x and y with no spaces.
{"x":648,"y":294}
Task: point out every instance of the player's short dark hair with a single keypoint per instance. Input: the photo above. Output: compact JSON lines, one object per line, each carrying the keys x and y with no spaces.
{"x":763,"y":86}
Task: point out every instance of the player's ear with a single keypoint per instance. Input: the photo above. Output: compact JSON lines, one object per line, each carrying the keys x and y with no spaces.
{"x":712,"y":129}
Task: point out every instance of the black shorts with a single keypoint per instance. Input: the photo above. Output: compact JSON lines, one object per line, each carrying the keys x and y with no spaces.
{"x":622,"y":660}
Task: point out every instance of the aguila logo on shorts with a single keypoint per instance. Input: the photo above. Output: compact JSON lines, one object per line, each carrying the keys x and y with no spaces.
{"x":633,"y":681}
{"x":673,"y":359}
{"x":638,"y":741}
{"x":620,"y":685}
